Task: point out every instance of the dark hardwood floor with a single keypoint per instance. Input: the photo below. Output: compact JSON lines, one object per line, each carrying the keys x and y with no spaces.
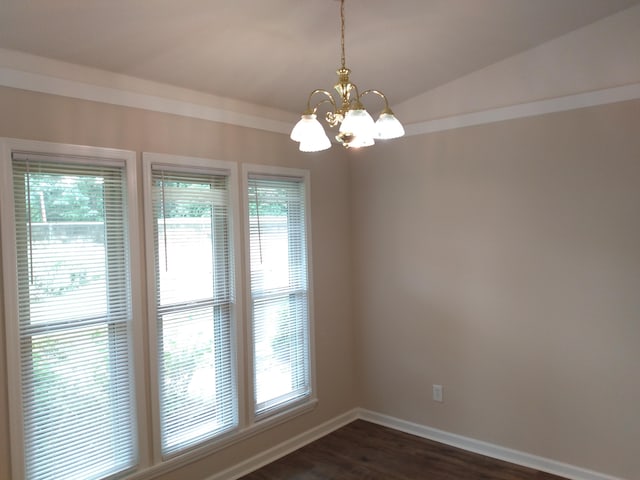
{"x":364,"y":451}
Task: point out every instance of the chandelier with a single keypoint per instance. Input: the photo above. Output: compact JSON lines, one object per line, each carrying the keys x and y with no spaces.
{"x":356,"y":127}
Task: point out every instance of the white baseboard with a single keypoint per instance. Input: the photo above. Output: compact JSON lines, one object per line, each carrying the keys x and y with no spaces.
{"x":286,"y":447}
{"x":476,"y":446}
{"x":484,"y":448}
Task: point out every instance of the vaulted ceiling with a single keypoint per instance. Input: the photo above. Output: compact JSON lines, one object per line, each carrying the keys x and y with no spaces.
{"x":274,"y":52}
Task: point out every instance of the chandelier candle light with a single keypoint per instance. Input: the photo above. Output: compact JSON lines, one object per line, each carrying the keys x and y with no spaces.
{"x":357,"y":128}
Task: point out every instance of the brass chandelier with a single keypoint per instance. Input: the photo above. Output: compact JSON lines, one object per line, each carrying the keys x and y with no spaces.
{"x":357,"y":128}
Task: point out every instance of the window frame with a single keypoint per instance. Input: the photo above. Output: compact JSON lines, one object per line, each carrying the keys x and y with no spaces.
{"x":187,"y":164}
{"x":297,"y":405}
{"x":66,"y":153}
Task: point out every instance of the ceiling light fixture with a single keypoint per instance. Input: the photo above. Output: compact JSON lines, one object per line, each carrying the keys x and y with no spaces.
{"x":357,"y":128}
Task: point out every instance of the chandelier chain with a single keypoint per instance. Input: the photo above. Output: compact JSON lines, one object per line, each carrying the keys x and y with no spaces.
{"x":342,"y":32}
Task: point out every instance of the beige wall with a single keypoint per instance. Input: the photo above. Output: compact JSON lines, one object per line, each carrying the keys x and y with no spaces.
{"x":503,"y":262}
{"x":58,"y":119}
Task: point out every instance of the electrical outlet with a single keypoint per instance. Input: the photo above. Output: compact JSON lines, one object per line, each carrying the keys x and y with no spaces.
{"x":437,"y":393}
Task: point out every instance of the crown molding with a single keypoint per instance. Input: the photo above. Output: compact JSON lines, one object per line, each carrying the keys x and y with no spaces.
{"x":37,"y":82}
{"x":529,"y":109}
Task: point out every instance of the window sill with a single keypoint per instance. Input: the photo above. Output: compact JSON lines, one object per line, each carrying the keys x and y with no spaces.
{"x":208,"y":448}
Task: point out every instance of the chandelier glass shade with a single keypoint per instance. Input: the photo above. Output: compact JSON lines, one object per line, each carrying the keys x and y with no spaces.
{"x":356,"y":127}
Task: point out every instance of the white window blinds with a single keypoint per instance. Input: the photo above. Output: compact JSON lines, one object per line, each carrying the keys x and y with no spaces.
{"x":74,"y":318}
{"x":194,"y":306}
{"x":279,"y":291}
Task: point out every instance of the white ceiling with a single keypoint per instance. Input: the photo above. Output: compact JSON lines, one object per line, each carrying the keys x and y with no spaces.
{"x":274,"y":52}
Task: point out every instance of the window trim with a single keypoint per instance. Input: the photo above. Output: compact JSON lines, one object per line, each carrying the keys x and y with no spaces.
{"x":203,"y":165}
{"x":293,"y":408}
{"x":66,"y":153}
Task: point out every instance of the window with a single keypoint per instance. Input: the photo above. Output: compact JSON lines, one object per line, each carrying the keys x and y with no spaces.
{"x":194,"y":300}
{"x":73,"y":335}
{"x":279,"y":290}
{"x":83,"y":361}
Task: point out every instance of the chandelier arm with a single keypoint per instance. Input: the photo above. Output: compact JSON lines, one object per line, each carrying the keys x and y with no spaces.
{"x":357,"y":104}
{"x":381,"y":95}
{"x":329,"y":115}
{"x":329,"y":99}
